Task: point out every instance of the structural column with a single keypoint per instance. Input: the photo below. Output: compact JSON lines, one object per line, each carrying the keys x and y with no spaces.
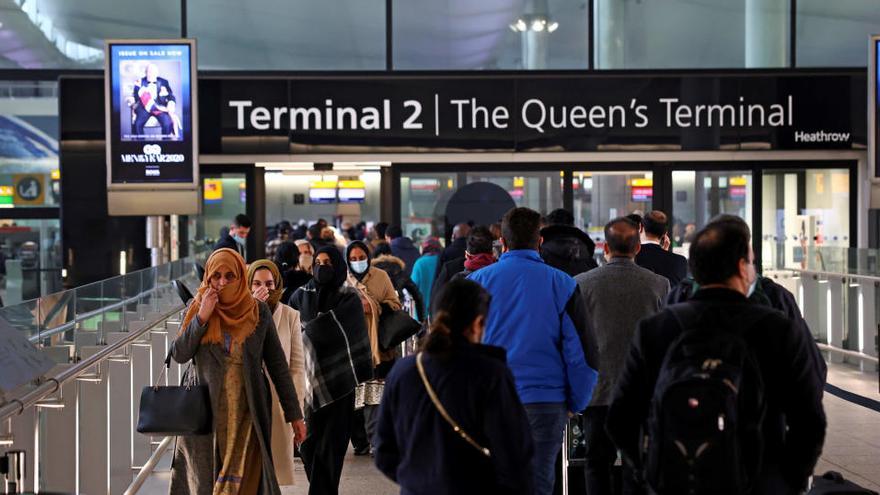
{"x":767,"y":33}
{"x":607,"y":21}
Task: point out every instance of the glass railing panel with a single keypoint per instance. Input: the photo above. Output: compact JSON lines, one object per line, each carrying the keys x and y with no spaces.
{"x":23,"y":317}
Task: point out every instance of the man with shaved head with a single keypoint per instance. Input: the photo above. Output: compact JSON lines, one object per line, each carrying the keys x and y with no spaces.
{"x":617,"y":296}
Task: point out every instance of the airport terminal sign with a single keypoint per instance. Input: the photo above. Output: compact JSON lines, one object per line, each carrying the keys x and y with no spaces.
{"x":537,"y":113}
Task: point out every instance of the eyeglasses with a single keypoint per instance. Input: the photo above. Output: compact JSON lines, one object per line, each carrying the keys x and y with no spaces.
{"x":228,"y":276}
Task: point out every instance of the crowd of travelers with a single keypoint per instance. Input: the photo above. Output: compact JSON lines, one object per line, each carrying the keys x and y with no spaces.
{"x":689,"y":375}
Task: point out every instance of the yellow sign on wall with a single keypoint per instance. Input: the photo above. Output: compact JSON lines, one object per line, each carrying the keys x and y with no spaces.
{"x":213,"y":190}
{"x":28,"y":189}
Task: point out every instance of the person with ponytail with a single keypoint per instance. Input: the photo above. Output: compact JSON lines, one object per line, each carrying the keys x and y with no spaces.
{"x":450,"y":420}
{"x":231,"y":339}
{"x":264,"y":279}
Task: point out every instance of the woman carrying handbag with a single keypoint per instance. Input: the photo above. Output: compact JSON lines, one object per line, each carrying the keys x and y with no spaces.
{"x":377,"y":296}
{"x":232,"y":336}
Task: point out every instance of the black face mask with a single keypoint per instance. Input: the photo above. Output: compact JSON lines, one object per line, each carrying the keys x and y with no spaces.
{"x":324,"y":274}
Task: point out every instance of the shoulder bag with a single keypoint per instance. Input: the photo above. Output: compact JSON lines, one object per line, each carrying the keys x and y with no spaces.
{"x":442,"y":410}
{"x":176,"y":410}
{"x":395,"y":326}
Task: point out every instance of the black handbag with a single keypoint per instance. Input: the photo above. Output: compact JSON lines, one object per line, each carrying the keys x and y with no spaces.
{"x":395,"y":327}
{"x":176,"y":410}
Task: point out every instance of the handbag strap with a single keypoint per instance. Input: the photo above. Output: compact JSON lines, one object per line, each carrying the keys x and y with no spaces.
{"x":442,"y":410}
{"x":167,"y":366}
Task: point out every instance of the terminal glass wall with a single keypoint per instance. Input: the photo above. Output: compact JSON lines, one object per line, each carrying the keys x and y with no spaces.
{"x":704,"y":34}
{"x":802,"y":210}
{"x":700,"y":195}
{"x":29,"y":171}
{"x":835,"y":33}
{"x":601,"y":196}
{"x":490,"y":34}
{"x":288,"y":35}
{"x":449,"y":34}
{"x":540,"y":191}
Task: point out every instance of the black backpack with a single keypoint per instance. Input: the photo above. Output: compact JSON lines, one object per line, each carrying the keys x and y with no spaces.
{"x":703,"y":433}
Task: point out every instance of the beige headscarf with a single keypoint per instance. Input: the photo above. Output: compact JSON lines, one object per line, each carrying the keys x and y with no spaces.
{"x":274,"y":295}
{"x":237,"y":312}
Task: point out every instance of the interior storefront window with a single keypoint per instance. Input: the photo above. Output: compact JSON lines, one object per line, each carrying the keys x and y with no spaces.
{"x":30,"y":259}
{"x":602,"y":196}
{"x":423,"y":200}
{"x":540,"y":191}
{"x":336,"y":198}
{"x":803,"y":211}
{"x":223,"y":197}
{"x":700,"y":195}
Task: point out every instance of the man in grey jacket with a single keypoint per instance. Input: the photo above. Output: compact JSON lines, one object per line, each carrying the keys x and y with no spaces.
{"x":617,"y":296}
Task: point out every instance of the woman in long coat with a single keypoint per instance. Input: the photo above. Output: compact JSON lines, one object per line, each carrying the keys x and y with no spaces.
{"x":267,"y":286}
{"x":230,"y":336}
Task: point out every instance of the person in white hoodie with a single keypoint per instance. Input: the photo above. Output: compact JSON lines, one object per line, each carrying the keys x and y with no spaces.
{"x":266,"y":285}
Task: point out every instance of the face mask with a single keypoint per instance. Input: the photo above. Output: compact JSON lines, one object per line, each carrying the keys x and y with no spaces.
{"x":305,"y":261}
{"x":360,"y":267}
{"x":324,"y":274}
{"x":240,"y":240}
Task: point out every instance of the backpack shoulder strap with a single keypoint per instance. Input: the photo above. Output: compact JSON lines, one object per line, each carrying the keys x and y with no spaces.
{"x":686,"y":315}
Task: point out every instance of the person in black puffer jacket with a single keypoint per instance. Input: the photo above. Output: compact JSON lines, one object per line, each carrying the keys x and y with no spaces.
{"x":395,"y":268}
{"x":565,"y":246}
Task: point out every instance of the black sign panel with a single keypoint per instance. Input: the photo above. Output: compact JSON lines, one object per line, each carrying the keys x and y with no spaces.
{"x":689,"y":111}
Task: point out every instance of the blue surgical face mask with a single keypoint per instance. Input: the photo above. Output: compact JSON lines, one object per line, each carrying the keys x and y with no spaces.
{"x":239,"y":239}
{"x":360,"y":267}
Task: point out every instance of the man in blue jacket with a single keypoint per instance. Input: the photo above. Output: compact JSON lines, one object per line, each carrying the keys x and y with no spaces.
{"x":538,"y":316}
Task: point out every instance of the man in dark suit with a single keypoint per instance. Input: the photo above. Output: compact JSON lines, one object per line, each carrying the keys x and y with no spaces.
{"x":655,"y":255}
{"x":236,"y":238}
{"x":153,"y":98}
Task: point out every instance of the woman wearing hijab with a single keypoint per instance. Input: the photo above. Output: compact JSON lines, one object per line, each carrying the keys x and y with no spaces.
{"x":230,"y":336}
{"x":266,"y":285}
{"x":294,"y":260}
{"x":338,"y":358}
{"x":377,"y":294}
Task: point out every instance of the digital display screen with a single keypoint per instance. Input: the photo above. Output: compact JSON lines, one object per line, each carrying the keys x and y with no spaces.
{"x":352,"y":195}
{"x":151,"y":135}
{"x":642,"y":193}
{"x":322,"y":195}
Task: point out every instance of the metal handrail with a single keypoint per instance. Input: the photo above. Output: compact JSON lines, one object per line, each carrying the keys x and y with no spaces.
{"x":91,"y":314}
{"x":847,"y":352}
{"x":873,"y":278}
{"x":17,"y":405}
{"x":148,"y":468}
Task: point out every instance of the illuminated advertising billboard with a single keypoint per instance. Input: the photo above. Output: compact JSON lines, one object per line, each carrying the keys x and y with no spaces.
{"x":151,"y":125}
